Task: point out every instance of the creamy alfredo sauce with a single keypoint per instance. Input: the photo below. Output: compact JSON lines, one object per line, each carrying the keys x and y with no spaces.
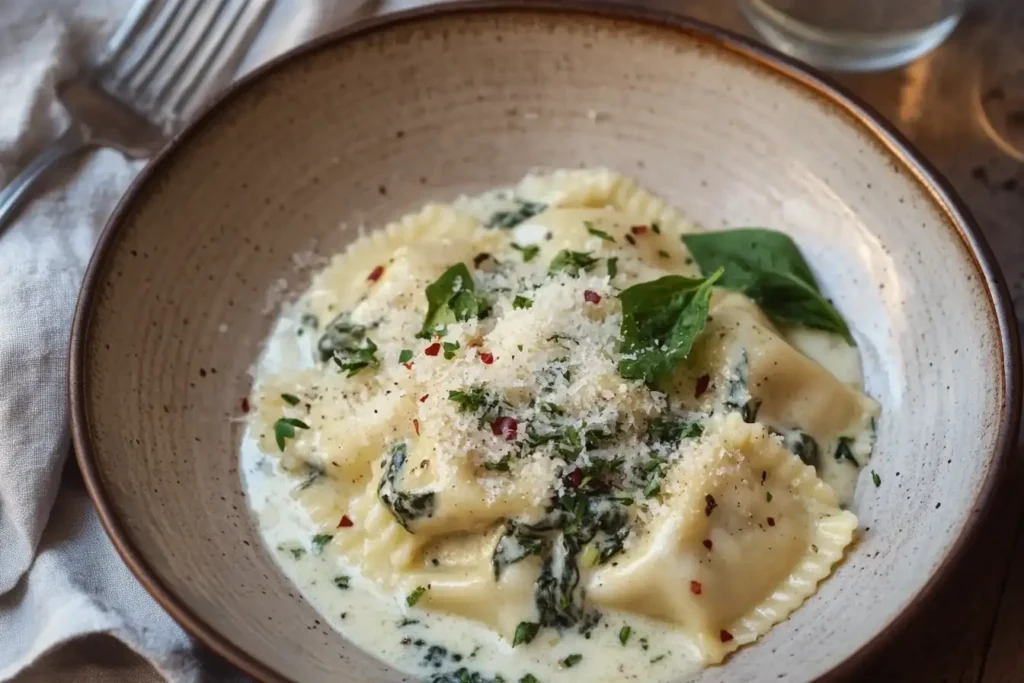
{"x":437,"y":645}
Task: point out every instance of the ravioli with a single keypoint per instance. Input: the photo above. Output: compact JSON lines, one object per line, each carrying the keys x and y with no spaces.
{"x":537,"y":412}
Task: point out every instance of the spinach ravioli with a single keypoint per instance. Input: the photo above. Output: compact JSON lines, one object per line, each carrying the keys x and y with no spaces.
{"x":557,"y":432}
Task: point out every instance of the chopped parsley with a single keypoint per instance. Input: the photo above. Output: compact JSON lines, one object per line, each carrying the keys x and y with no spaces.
{"x":469,"y":401}
{"x":571,"y":661}
{"x":405,"y":356}
{"x":341,"y":582}
{"x":346,"y":343}
{"x":529,"y":252}
{"x":663,"y":254}
{"x":597,"y":233}
{"x":522,"y":302}
{"x":284,"y":429}
{"x":415,"y":596}
{"x":624,"y":633}
{"x":526,"y":631}
{"x":509,"y":219}
{"x":529,"y":678}
{"x":572,"y":262}
{"x":449,"y":349}
{"x":768,"y":496}
{"x":613,"y":267}
{"x":290,"y":399}
{"x":876,"y":479}
{"x":655,"y":228}
{"x":319,"y":541}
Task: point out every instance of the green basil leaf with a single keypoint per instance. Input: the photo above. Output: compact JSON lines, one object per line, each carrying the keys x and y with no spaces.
{"x":767,"y":266}
{"x":450,"y":299}
{"x":572,"y":262}
{"x":660,"y":320}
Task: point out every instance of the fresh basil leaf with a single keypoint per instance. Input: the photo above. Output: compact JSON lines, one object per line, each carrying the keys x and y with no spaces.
{"x":284,"y":428}
{"x":449,"y":349}
{"x":450,"y":299}
{"x":405,"y":356}
{"x":572,"y":262}
{"x":660,"y":320}
{"x":767,"y":266}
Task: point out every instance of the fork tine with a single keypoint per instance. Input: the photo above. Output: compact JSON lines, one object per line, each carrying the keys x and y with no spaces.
{"x":186,"y":60}
{"x":164,"y":49}
{"x":229,"y":46}
{"x":138,"y":11}
{"x":141,"y":52}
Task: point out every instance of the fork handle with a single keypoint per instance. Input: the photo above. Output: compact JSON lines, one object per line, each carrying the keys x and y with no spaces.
{"x":17,"y":191}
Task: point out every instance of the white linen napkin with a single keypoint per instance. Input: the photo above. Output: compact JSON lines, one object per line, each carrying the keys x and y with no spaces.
{"x":60,"y":578}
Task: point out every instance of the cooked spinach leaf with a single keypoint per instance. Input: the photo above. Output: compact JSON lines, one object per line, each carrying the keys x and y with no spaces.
{"x":509,"y":219}
{"x":660,"y":320}
{"x":351,"y":361}
{"x":526,"y":631}
{"x":404,"y":506}
{"x":845,"y":452}
{"x":767,"y":266}
{"x":450,"y":299}
{"x":347,"y":344}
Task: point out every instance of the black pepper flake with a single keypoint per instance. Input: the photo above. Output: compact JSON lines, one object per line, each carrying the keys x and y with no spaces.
{"x":631,"y":240}
{"x":709,"y":504}
{"x":771,"y":521}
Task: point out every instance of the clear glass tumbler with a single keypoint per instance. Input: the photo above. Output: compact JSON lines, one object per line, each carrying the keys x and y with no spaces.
{"x":854,"y":35}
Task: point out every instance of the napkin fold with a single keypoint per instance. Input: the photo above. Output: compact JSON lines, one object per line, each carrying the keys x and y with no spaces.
{"x":60,"y":578}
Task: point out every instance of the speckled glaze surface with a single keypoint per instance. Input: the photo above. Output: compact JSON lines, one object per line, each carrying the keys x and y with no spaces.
{"x":224,"y":228}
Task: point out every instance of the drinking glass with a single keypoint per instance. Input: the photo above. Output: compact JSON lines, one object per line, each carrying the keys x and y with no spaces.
{"x":854,"y":35}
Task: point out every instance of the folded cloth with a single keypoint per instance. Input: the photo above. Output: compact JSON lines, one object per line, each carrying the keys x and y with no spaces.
{"x":60,"y":578}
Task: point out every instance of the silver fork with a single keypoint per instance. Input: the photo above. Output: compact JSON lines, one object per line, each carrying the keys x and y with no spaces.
{"x":163,"y":59}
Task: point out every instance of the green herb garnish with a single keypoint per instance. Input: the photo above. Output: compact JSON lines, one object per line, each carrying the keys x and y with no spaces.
{"x":450,"y":299}
{"x":290,"y":399}
{"x":405,"y":506}
{"x":767,"y":266}
{"x":529,"y":252}
{"x":341,"y":582}
{"x":613,"y":266}
{"x":844,"y":451}
{"x":526,"y":631}
{"x":571,"y":660}
{"x":469,"y":401}
{"x":660,"y":320}
{"x":405,"y":356}
{"x":572,"y":262}
{"x":876,"y":479}
{"x":655,"y":228}
{"x":415,"y":596}
{"x":319,"y":541}
{"x":768,"y":496}
{"x":449,"y":349}
{"x":284,"y":429}
{"x":529,"y":678}
{"x":597,"y":233}
{"x":624,"y":633}
{"x":522,"y":302}
{"x":510,"y":219}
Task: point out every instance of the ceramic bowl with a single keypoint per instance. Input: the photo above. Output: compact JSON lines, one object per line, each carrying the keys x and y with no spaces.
{"x":228,"y":223}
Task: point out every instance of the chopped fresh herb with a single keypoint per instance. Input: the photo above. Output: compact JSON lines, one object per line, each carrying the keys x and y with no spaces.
{"x":522,"y":302}
{"x":613,"y":267}
{"x":404,"y":506}
{"x":655,"y":660}
{"x":510,"y":219}
{"x":529,"y":252}
{"x":572,"y":262}
{"x":529,"y":678}
{"x":294,"y":551}
{"x":450,"y":299}
{"x":660,"y":320}
{"x":358,"y":358}
{"x":526,"y":631}
{"x":313,"y":474}
{"x":571,"y":661}
{"x":407,"y":622}
{"x":284,"y":429}
{"x":309,"y":320}
{"x":672,"y":429}
{"x":624,"y":633}
{"x":844,"y":452}
{"x":469,"y":401}
{"x":597,"y":233}
{"x":653,"y":486}
{"x":405,"y":356}
{"x":319,"y":541}
{"x":663,"y":254}
{"x":656,"y":228}
{"x":341,"y":582}
{"x":644,"y":644}
{"x":767,"y":266}
{"x":803,"y":446}
{"x":499,"y":466}
{"x":290,"y":399}
{"x":876,"y":479}
{"x":415,"y":596}
{"x":346,"y":342}
{"x":449,"y":349}
{"x":768,"y":496}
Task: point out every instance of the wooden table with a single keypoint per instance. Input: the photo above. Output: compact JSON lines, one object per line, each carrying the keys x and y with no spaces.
{"x":974,"y":630}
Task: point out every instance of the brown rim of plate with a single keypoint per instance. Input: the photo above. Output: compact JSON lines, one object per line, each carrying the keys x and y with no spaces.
{"x":759,"y":57}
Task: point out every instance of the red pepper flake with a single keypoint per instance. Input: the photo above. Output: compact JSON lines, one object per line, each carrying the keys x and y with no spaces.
{"x":695,"y":587}
{"x":408,"y":366}
{"x":771,"y":521}
{"x":709,"y":504}
{"x":725,"y":636}
{"x":638,"y":229}
{"x":575,"y":477}
{"x":592,"y":296}
{"x":345,"y":522}
{"x":702,"y":385}
{"x":505,"y":427}
{"x":708,"y":544}
{"x":245,"y":404}
{"x":416,"y":426}
{"x":487,"y":358}
{"x":424,"y":397}
{"x":376,"y":273}
{"x":433,"y":349}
